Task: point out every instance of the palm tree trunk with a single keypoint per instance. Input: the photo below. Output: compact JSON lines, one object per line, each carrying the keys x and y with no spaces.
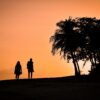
{"x":75,"y":65}
{"x":92,"y":62}
{"x":94,"y":59}
{"x":78,"y":69}
{"x":75,"y":68}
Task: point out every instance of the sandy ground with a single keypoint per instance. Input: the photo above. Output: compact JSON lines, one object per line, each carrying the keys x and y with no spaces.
{"x":47,"y":89}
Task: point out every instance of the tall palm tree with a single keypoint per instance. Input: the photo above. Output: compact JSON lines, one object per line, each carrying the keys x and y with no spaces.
{"x":66,"y":41}
{"x":91,"y":29}
{"x":78,"y":39}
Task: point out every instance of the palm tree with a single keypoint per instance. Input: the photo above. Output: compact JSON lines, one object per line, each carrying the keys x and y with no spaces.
{"x":66,"y":40}
{"x":78,"y":39}
{"x":91,"y":29}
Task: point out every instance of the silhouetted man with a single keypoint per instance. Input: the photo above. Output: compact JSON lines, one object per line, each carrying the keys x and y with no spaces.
{"x":18,"y":70}
{"x":30,"y":68}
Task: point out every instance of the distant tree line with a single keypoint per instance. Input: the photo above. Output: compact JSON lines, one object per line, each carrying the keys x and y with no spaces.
{"x":78,"y":39}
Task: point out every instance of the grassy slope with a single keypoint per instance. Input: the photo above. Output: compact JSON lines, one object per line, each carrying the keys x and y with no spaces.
{"x":49,"y":89}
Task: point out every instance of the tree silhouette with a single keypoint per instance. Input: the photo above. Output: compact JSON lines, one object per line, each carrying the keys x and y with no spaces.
{"x":66,"y":41}
{"x":78,"y":39}
{"x":91,"y":29}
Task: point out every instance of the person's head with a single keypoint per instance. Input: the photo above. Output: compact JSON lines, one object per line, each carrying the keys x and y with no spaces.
{"x":30,"y":59}
{"x":18,"y":62}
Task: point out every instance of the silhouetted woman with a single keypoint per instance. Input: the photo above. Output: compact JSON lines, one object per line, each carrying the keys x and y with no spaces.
{"x":30,"y":68}
{"x":18,"y":70}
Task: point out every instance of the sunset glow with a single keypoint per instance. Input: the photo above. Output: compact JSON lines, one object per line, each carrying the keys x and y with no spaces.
{"x":25,"y":29}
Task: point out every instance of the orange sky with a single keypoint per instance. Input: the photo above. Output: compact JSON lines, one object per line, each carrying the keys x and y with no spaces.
{"x":25,"y":29}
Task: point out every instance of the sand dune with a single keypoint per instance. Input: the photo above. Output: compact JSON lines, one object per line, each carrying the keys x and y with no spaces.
{"x":49,"y":89}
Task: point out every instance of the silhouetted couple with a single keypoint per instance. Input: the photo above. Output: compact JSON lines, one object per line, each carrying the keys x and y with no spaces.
{"x":18,"y":69}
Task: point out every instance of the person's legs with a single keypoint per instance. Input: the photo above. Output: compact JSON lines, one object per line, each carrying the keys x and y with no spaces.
{"x":31,"y":74}
{"x":18,"y":77}
{"x":28,"y":74}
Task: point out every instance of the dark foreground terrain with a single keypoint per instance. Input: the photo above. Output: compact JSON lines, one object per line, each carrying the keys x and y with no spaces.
{"x":66,"y":88}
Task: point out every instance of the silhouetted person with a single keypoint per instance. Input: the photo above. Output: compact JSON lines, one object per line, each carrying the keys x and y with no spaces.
{"x":18,"y":70}
{"x":30,"y":68}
